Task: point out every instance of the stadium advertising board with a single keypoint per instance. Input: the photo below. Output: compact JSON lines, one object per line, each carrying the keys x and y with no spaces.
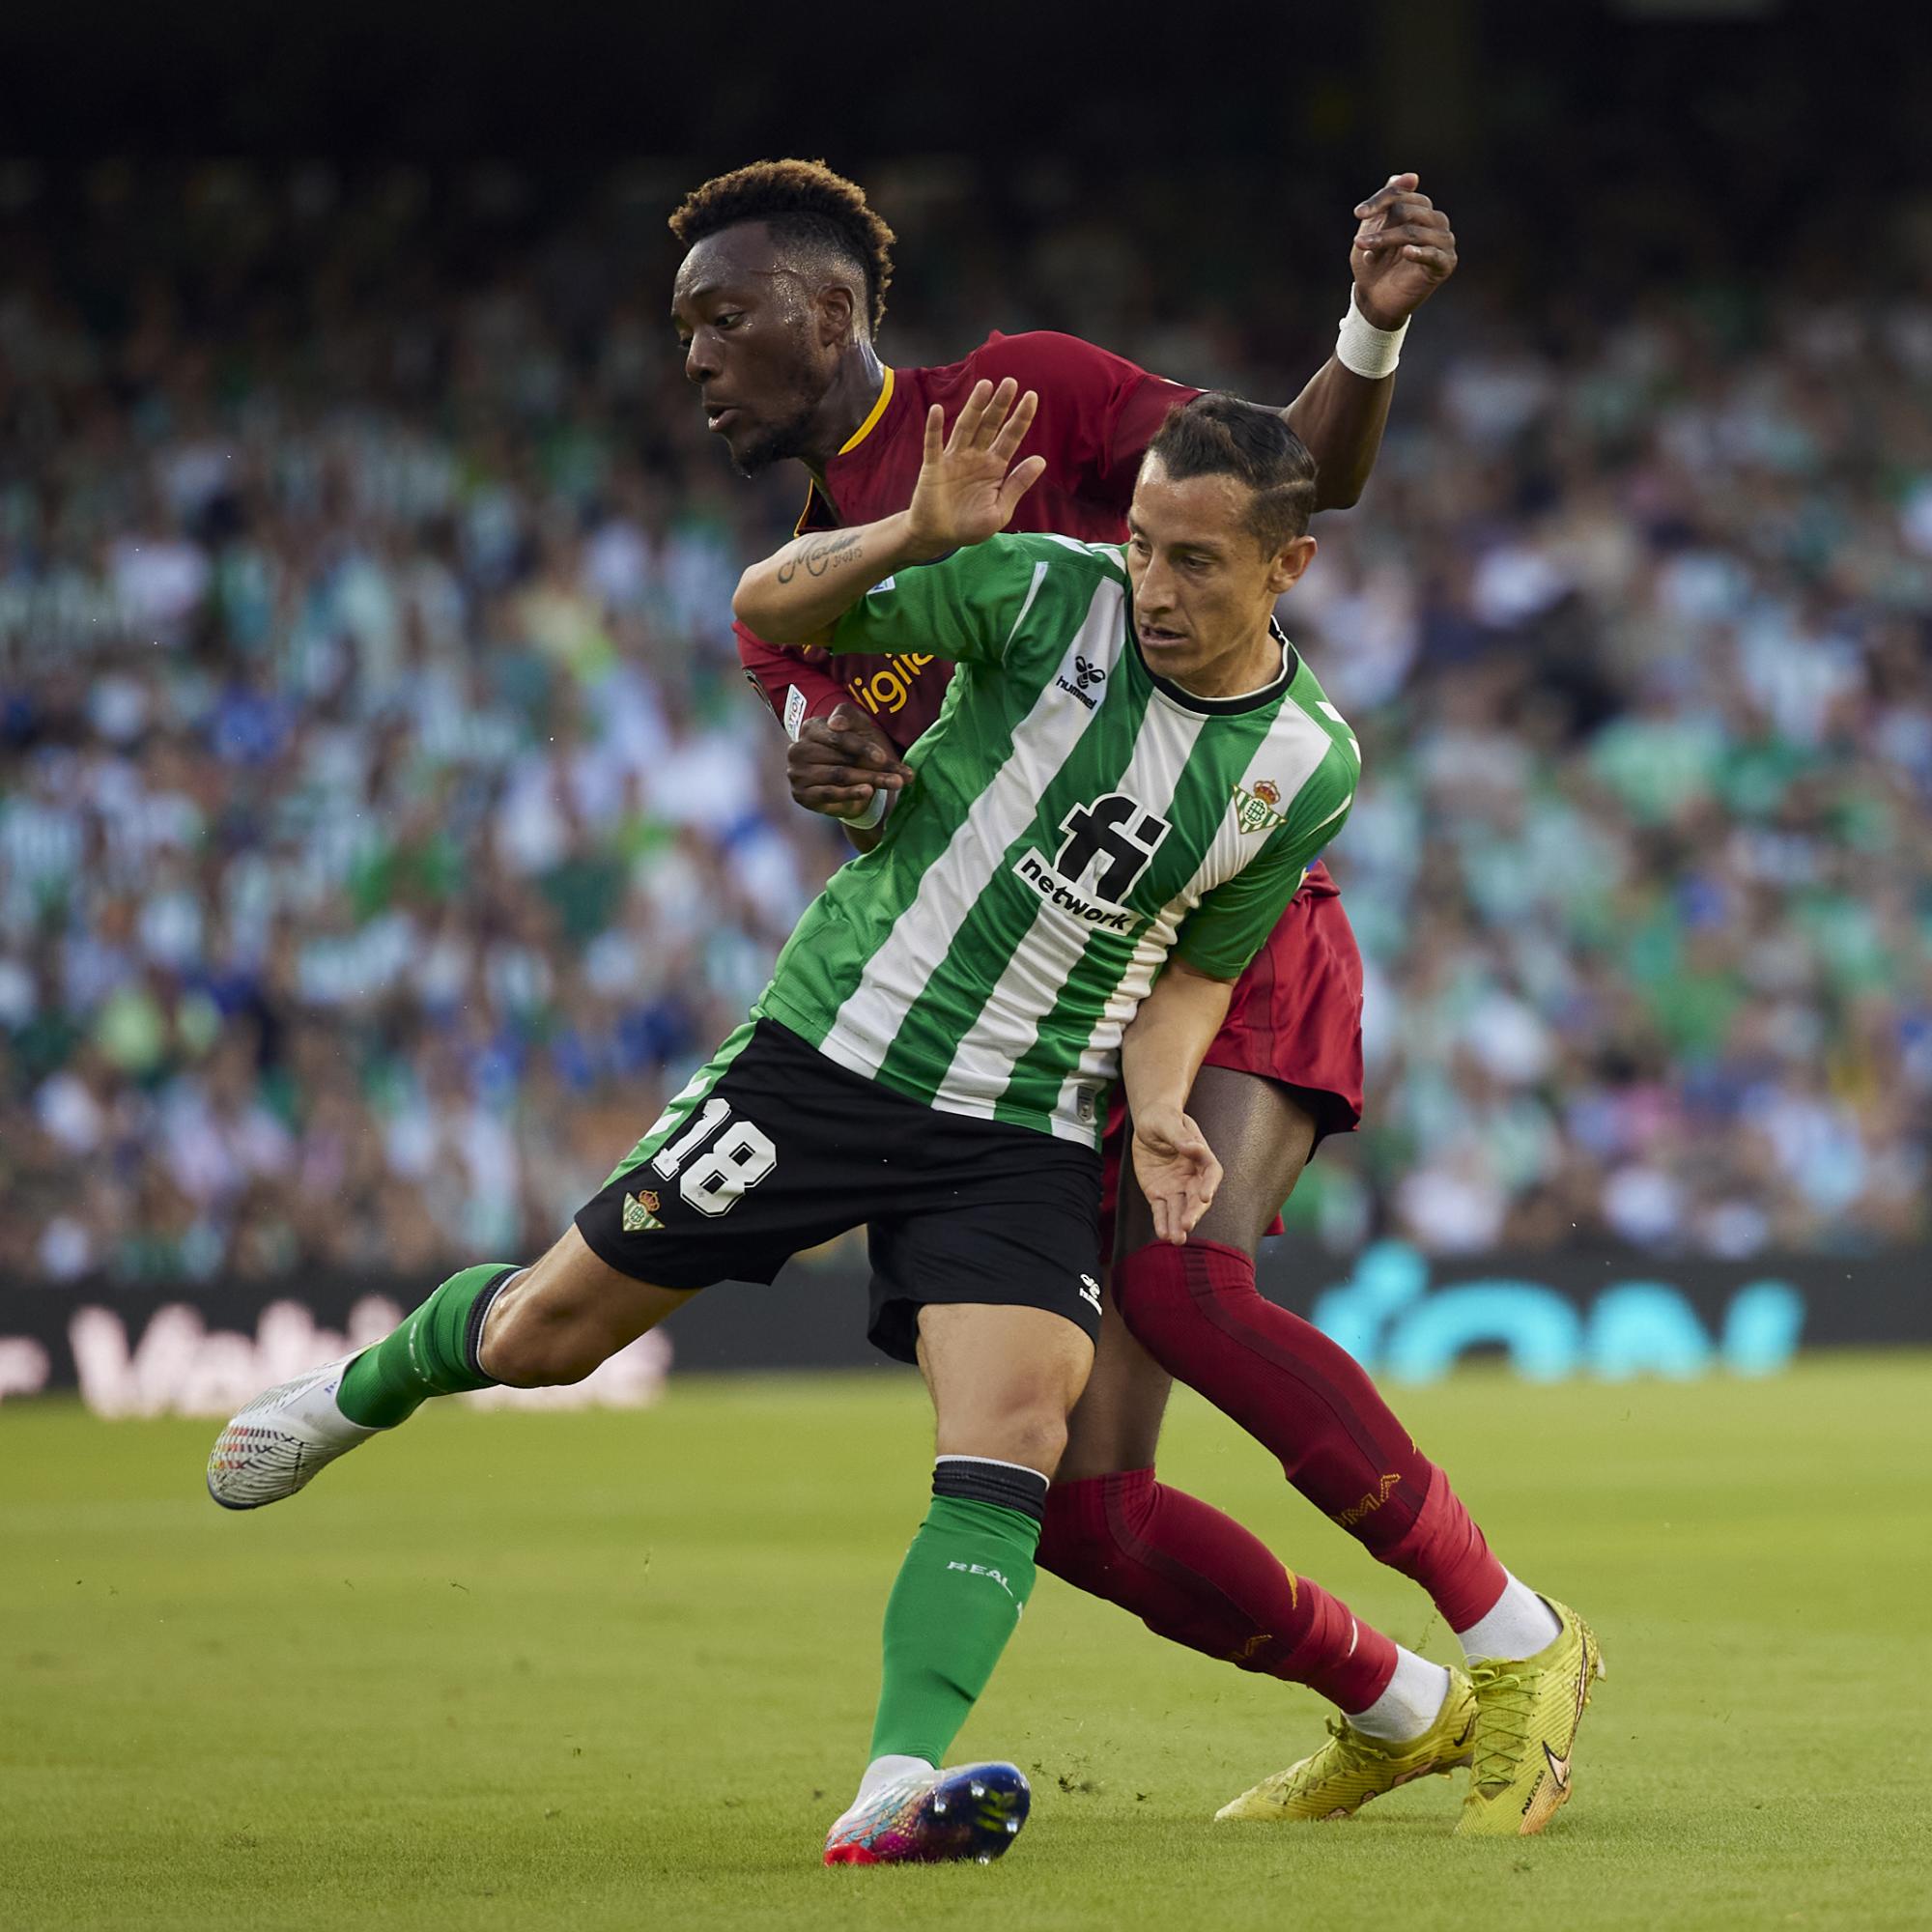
{"x":204,"y":1349}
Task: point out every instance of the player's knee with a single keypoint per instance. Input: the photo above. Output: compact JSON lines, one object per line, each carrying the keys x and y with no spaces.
{"x":532,"y":1342}
{"x":1035,"y":1436}
{"x":1026,"y":1427}
{"x":1040,"y":1440}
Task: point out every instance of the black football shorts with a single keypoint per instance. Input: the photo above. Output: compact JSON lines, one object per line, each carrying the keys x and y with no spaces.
{"x":773,"y":1148}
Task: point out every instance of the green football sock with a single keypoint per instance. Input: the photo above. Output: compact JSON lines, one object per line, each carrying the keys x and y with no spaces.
{"x":433,"y":1352}
{"x":957,"y":1599}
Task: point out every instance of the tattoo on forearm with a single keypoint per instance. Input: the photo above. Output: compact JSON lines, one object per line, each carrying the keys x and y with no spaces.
{"x":820,"y":555}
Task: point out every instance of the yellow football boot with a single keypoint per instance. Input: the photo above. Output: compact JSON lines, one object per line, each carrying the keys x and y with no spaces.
{"x":1351,"y":1769}
{"x":1526,"y":1717}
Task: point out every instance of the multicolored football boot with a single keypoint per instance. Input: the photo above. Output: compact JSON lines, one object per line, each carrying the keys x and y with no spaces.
{"x":1527,"y":1712}
{"x":283,"y":1440}
{"x":932,"y":1817}
{"x":1350,"y":1768}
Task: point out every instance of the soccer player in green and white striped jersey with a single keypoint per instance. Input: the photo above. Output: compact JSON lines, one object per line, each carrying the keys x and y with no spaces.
{"x":1118,"y":801}
{"x":1081,"y":812}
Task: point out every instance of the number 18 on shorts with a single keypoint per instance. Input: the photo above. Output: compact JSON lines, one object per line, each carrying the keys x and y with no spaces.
{"x":774,"y":1147}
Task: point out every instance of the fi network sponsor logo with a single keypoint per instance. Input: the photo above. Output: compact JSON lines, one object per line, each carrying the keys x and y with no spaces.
{"x":1102,"y":914}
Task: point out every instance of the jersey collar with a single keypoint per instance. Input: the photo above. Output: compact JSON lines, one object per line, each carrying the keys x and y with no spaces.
{"x":873,"y":415}
{"x":818,"y":513}
{"x":1222,"y":707}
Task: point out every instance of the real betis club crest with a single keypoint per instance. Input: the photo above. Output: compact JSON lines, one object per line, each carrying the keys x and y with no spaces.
{"x":641,"y":1213}
{"x":1255,"y":805}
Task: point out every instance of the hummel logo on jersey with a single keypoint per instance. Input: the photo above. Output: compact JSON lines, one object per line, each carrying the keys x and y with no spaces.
{"x":1084,"y":674}
{"x":640,"y":1213}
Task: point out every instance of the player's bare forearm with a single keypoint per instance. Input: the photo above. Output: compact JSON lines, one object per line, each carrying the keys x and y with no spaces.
{"x":1166,"y":1040}
{"x":968,"y":485}
{"x":797,"y":594}
{"x":1160,"y":1054}
{"x":1341,"y":416}
{"x":1403,"y":252}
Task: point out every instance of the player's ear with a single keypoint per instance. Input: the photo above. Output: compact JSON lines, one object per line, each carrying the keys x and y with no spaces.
{"x":834,"y":310}
{"x":1289,"y":562}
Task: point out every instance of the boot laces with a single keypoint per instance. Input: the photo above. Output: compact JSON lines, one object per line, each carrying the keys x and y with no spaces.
{"x":1506,"y":1711}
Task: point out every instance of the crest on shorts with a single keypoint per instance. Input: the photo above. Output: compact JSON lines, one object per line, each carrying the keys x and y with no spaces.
{"x":641,"y":1213}
{"x":1255,"y":805}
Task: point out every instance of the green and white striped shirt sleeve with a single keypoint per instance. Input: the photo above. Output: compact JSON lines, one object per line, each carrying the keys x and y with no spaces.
{"x":964,"y":606}
{"x":1229,"y":925}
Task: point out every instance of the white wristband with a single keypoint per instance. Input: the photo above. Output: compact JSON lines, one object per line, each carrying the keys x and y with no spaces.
{"x":1370,"y":352}
{"x":873,"y":812}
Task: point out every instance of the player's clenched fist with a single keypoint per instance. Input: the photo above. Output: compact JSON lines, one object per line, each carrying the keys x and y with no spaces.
{"x":1403,"y":251}
{"x":838,"y":763}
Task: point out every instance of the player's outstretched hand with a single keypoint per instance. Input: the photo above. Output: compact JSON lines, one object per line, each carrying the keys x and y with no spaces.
{"x":1403,"y":251}
{"x":837,"y":762}
{"x":1177,"y":1171}
{"x":969,"y":483}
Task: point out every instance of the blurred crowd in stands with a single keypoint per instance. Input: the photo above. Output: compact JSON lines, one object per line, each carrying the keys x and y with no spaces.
{"x":385,"y":828}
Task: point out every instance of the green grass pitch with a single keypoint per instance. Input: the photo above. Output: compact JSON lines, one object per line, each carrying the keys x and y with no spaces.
{"x":589,"y":1670}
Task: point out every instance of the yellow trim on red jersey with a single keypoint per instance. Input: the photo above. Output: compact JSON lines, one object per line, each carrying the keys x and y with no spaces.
{"x":866,"y":428}
{"x":850,"y":443}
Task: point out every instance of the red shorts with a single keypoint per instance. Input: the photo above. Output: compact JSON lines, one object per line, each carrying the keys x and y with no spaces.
{"x":1295,"y":1016}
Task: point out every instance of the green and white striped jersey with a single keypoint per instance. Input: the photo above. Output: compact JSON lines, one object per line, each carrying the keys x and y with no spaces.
{"x":1075,"y":819}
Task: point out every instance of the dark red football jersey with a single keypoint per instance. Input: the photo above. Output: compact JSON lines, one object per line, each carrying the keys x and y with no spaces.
{"x":1097,"y":413}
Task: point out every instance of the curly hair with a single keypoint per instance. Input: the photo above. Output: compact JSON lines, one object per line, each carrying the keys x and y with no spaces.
{"x":800,"y":202}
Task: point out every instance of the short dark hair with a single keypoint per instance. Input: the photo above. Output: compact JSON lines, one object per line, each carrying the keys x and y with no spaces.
{"x":801,"y":202}
{"x":1219,"y":435}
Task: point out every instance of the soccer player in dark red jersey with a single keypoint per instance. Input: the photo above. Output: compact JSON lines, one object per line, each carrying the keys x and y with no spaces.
{"x":777,"y":303}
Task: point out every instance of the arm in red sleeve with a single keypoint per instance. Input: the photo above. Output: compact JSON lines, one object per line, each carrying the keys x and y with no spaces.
{"x":791,"y":683}
{"x":1097,"y":410}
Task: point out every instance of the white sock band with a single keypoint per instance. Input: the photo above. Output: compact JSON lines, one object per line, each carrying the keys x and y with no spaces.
{"x":1517,"y":1624}
{"x":1368,"y":350}
{"x":885,"y":1771}
{"x":1412,"y":1703}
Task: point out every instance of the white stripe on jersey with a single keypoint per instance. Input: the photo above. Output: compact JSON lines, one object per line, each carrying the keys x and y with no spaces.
{"x":1009,"y":1021}
{"x":1033,"y":591}
{"x":1294,"y":744}
{"x":862,"y":1029}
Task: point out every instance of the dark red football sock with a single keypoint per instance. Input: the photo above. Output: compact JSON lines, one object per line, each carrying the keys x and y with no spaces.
{"x":1196,"y":1311}
{"x":1195,"y":1576}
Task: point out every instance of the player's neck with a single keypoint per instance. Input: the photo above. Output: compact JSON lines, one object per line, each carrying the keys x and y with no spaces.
{"x":1238,"y":673}
{"x":846,"y":405}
